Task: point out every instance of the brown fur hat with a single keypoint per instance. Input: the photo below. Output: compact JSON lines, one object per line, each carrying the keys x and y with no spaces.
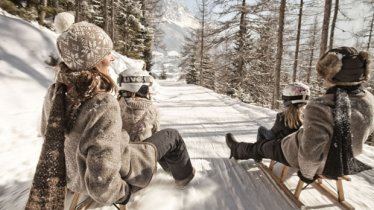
{"x":344,"y":66}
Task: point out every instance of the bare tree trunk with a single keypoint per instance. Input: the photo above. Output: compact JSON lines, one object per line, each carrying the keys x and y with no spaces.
{"x":297,"y":41}
{"x":278,"y":62}
{"x":325,"y":27}
{"x":112,"y":21}
{"x":371,"y":32}
{"x":202,"y":43}
{"x":106,"y":19}
{"x":78,"y":11}
{"x":312,"y":45}
{"x":41,"y":8}
{"x":242,"y":33}
{"x":336,"y":10}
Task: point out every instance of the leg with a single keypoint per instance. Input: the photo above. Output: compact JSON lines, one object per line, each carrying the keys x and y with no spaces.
{"x":264,"y":149}
{"x":264,"y":134}
{"x":172,"y":153}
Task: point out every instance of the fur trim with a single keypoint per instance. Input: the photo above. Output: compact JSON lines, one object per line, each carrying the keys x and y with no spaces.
{"x":328,"y":66}
{"x":366,"y":57}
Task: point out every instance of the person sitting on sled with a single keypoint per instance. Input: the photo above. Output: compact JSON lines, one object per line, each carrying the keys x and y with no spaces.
{"x":294,"y":96}
{"x":101,"y":163}
{"x":335,"y":125}
{"x":139,"y":116}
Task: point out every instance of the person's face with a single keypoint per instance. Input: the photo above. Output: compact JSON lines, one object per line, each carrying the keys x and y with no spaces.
{"x":104,"y":64}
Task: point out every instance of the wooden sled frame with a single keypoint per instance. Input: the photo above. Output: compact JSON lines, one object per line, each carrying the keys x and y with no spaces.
{"x":318,"y":184}
{"x":85,"y":204}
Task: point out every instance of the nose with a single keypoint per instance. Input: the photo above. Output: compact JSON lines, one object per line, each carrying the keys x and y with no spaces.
{"x":112,"y":57}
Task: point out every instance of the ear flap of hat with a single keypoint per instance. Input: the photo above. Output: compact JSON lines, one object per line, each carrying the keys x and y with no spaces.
{"x":329,"y":65}
{"x":366,"y":58}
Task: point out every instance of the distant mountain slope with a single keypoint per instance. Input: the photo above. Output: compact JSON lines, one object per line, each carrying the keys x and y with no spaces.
{"x":176,"y":24}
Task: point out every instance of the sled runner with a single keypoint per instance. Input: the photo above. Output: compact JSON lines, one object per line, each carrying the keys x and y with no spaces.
{"x":86,"y":203}
{"x":318,"y":184}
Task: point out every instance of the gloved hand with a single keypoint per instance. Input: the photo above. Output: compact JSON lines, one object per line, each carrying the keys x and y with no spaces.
{"x":306,"y":180}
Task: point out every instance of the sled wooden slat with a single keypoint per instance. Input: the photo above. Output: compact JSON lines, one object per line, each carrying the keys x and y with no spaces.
{"x":318,"y":184}
{"x":333,"y":195}
{"x":283,"y":188}
{"x":74,"y":201}
{"x":122,"y":207}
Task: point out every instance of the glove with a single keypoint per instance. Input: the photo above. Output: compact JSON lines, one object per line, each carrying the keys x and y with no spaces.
{"x":126,"y":198}
{"x":306,"y":180}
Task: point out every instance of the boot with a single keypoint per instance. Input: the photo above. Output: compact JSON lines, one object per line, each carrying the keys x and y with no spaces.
{"x":231,"y":143}
{"x":241,"y":150}
{"x":184,"y":182}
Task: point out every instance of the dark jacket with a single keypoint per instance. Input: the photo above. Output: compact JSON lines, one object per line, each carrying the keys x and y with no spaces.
{"x":279,"y":129}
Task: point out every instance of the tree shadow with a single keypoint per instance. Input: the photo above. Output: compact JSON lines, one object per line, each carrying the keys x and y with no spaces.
{"x":25,"y":68}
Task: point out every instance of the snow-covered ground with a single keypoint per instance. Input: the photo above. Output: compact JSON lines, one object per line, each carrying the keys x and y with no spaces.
{"x":202,"y":117}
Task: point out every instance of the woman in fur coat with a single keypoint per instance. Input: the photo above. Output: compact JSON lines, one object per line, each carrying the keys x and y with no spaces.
{"x":101,"y":163}
{"x":139,"y":116}
{"x":336,"y":125}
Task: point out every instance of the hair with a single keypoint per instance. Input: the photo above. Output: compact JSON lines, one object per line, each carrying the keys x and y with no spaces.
{"x":82,"y":86}
{"x":142,"y":93}
{"x":293,"y":115}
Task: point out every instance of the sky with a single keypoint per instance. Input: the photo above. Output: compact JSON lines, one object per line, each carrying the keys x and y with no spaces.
{"x":202,"y":117}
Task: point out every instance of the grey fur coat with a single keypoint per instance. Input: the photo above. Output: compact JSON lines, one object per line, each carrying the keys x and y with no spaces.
{"x":140,"y":118}
{"x":100,"y":161}
{"x":312,"y":141}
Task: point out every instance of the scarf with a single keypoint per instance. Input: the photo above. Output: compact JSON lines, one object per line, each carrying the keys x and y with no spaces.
{"x":48,"y":187}
{"x":340,"y":160}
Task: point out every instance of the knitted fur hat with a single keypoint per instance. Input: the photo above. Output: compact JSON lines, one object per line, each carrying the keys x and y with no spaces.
{"x":344,"y":66}
{"x":83,"y":45}
{"x":63,"y":21}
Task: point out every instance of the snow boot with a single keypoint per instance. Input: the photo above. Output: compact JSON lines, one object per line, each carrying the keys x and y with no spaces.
{"x":232,"y":144}
{"x":185,"y":181}
{"x":241,"y":150}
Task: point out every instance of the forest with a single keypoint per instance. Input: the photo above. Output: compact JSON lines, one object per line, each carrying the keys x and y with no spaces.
{"x":247,"y":49}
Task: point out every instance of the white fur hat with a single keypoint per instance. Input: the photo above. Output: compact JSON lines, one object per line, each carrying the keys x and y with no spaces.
{"x":63,"y":21}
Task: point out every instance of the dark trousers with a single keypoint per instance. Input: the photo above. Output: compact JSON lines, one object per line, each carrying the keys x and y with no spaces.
{"x":271,"y":149}
{"x":172,"y":153}
{"x":264,"y":134}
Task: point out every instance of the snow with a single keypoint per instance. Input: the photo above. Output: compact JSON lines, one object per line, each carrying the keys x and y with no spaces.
{"x":202,"y":117}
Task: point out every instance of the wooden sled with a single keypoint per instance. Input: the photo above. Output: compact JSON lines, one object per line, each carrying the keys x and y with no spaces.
{"x":318,"y":184}
{"x":85,"y":204}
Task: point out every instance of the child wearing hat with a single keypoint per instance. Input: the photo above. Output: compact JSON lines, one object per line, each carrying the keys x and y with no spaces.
{"x":140,"y":116}
{"x":290,"y":119}
{"x":335,"y":125}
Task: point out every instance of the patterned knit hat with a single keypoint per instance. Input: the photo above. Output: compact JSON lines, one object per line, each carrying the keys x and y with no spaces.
{"x":344,"y":66}
{"x":83,"y":46}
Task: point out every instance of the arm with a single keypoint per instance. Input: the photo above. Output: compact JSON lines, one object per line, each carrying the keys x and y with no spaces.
{"x":318,"y":131}
{"x":101,"y":149}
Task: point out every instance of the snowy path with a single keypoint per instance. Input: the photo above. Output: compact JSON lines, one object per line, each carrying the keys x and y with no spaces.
{"x":203,"y":118}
